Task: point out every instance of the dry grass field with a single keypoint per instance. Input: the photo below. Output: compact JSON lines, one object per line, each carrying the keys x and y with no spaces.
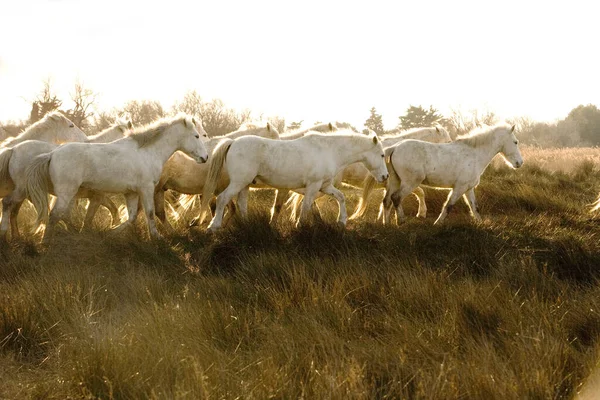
{"x":508,"y":308}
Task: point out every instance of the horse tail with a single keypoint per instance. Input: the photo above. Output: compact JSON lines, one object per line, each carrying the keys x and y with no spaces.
{"x":388,"y":151}
{"x":294,"y":203}
{"x":368,"y":185}
{"x":216,"y":161}
{"x":596,"y":204}
{"x":38,"y":186}
{"x":4,"y":161}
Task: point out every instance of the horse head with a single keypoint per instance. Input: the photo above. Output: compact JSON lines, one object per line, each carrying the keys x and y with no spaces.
{"x":374,"y":159}
{"x":57,"y":128}
{"x":510,"y":147}
{"x":443,"y":135}
{"x":194,"y":137}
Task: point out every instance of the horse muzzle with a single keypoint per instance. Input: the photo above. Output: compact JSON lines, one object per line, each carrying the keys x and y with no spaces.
{"x":200,"y":159}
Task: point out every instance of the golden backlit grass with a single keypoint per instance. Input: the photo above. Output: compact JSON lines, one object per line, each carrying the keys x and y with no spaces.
{"x":560,"y":159}
{"x":505,"y":309}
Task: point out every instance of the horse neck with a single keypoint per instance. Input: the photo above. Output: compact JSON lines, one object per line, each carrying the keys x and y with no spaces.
{"x":348,"y":149}
{"x":163,"y":147}
{"x":485,"y":152}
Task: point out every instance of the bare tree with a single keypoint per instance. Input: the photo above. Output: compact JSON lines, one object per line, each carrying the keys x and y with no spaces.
{"x":84,"y":100}
{"x":294,"y":125}
{"x":460,"y":123}
{"x":3,"y":134}
{"x":217,"y":118}
{"x":191,"y":104}
{"x":45,"y":102}
{"x":142,"y":112}
{"x":278,"y":123}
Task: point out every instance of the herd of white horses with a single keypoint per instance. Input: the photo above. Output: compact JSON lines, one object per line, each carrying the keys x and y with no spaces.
{"x":54,"y":157}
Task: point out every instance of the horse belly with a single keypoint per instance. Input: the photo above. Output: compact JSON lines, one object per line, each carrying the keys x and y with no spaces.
{"x":282,"y":181}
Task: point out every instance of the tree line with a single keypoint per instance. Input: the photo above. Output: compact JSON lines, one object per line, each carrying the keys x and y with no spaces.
{"x":581,"y":127}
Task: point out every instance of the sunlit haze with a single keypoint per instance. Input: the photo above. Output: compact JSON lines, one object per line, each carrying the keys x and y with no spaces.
{"x":310,"y":60}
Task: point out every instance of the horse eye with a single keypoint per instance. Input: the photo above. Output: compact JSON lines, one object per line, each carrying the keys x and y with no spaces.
{"x":383,"y":156}
{"x":197,"y":136}
{"x":516,"y":142}
{"x":71,"y":125}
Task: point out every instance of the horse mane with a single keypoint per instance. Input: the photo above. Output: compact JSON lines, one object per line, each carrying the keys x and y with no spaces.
{"x":249,"y":128}
{"x":482,"y":134}
{"x":35,"y":128}
{"x":406,"y":132}
{"x":148,"y":134}
{"x":324,"y":127}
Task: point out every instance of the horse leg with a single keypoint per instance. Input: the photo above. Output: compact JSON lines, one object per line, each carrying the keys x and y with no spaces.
{"x":10,"y":209}
{"x":14,"y":213}
{"x":243,"y":202}
{"x":60,"y":212}
{"x":420,"y":194}
{"x":309,"y":197}
{"x":91,"y":212}
{"x":469,"y":198}
{"x":159,"y":207}
{"x":132,"y":201}
{"x":230,"y":212}
{"x":339,"y":196}
{"x":281,"y":196}
{"x":392,"y":185}
{"x":147,"y":200}
{"x":397,"y":197}
{"x":6,"y":206}
{"x":314,"y":208}
{"x":96,"y":200}
{"x":449,"y":204}
{"x":223,"y":200}
{"x":110,"y":205}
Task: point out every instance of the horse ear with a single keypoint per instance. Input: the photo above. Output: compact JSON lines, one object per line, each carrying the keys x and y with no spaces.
{"x":512,"y":129}
{"x":194,"y":120}
{"x":437,"y":129}
{"x":185,"y":122}
{"x":330,"y":127}
{"x":129,"y":125}
{"x":375,"y":139}
{"x":269,"y":126}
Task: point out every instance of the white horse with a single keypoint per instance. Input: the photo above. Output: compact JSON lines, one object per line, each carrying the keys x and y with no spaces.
{"x":13,"y":164}
{"x":131,"y":166}
{"x":309,"y":163}
{"x":356,"y":174}
{"x":186,"y":176}
{"x":114,"y":132}
{"x":298,"y":133}
{"x":53,"y":128}
{"x":456,"y":166}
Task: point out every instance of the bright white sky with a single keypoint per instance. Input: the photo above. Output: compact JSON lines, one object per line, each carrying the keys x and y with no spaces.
{"x":307,"y":60}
